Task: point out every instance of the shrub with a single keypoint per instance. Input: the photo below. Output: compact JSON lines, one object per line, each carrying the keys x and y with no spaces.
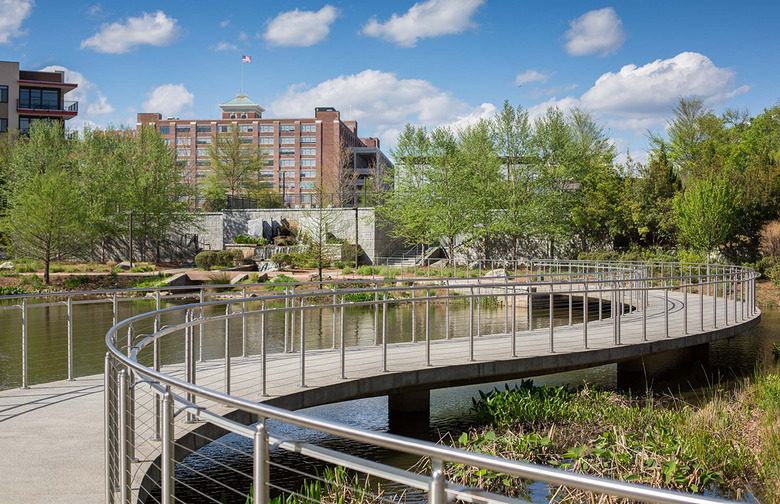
{"x":74,"y":282}
{"x":281,"y":279}
{"x":282,"y":260}
{"x":142,"y":268}
{"x":12,"y":290}
{"x":206,"y":260}
{"x":347,"y":270}
{"x":148,"y":281}
{"x":248,"y":240}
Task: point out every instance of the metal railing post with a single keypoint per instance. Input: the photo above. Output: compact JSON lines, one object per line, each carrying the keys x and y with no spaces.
{"x":333,"y":317}
{"x":585,"y":314}
{"x":200,"y":328}
{"x":108,"y":427}
{"x":414,"y":314}
{"x":70,"y":338}
{"x":114,"y":309}
{"x":343,"y":352}
{"x":666,"y":308}
{"x":167,"y":481}
{"x":24,"y":344}
{"x":437,"y":489}
{"x":447,"y":311}
{"x":714,"y":291}
{"x":427,"y":330}
{"x":552,"y":345}
{"x":685,"y":306}
{"x":376,"y":313}
{"x":726,"y":292}
{"x":286,"y":317}
{"x":227,"y":349}
{"x":124,"y":439}
{"x":303,"y":347}
{"x":384,"y":332}
{"x":514,"y":321}
{"x":243,"y":323}
{"x":263,"y":353}
{"x":471,"y":324}
{"x":260,"y":464}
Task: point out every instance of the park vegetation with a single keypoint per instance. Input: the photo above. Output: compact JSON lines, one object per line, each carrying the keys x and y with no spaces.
{"x":67,"y":198}
{"x":554,"y":186}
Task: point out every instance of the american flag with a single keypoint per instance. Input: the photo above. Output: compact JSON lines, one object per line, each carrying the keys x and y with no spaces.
{"x":246,"y":59}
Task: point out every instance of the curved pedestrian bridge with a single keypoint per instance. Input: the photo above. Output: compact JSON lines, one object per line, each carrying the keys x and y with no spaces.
{"x":165,"y":398}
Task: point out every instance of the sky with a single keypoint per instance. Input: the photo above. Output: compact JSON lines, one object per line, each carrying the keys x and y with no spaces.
{"x":385,"y":64}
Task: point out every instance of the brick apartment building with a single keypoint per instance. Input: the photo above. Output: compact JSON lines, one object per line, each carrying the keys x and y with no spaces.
{"x":299,"y":152}
{"x":27,"y":95}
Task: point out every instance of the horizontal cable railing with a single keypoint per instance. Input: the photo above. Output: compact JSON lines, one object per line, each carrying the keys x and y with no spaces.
{"x":179,"y":378}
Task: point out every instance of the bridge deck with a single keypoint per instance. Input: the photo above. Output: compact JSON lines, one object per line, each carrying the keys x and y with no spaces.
{"x":52,"y":435}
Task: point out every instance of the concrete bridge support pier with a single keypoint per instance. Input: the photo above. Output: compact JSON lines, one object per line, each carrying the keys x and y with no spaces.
{"x":409,"y":413}
{"x":638,"y":374}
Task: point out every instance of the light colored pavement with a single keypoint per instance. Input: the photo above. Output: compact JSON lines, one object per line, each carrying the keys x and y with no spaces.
{"x":51,"y":436}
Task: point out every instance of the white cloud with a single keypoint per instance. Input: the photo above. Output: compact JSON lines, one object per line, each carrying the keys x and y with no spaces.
{"x":223,"y":24}
{"x":117,"y":38}
{"x":484,"y":111}
{"x":381,"y":103}
{"x":652,"y":89}
{"x":12,"y":14}
{"x":433,"y":18}
{"x":531,"y":76}
{"x":595,"y":32}
{"x":223,"y":46}
{"x":641,"y":98}
{"x":301,"y":28}
{"x":168,"y":100}
{"x":95,"y":11}
{"x":90,"y":98}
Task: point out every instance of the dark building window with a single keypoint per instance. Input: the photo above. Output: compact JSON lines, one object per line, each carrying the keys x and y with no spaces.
{"x":203,"y":128}
{"x":4,"y":95}
{"x":39,"y":99}
{"x":24,"y":125}
{"x":182,"y":129}
{"x":3,"y":125}
{"x":165,"y":130}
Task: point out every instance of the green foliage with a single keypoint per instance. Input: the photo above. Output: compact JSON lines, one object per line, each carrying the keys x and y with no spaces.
{"x":75,"y":281}
{"x":707,"y":213}
{"x":142,"y":268}
{"x":12,"y":290}
{"x":249,"y":240}
{"x":347,"y":270}
{"x":210,"y":259}
{"x":281,"y":279}
{"x":149,"y":281}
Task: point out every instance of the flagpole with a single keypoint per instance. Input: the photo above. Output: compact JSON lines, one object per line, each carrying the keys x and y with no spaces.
{"x":242,"y":76}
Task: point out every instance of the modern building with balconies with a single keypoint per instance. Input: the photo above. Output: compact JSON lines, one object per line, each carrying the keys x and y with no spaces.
{"x":27,"y":95}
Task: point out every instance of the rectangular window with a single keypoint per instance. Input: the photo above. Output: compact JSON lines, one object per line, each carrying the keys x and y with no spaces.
{"x":266,"y":128}
{"x":307,"y":199}
{"x":307,"y":162}
{"x":3,"y":125}
{"x":268,"y":162}
{"x":182,"y":129}
{"x":223,"y":128}
{"x":308,"y":128}
{"x":287,"y":140}
{"x":245,"y":128}
{"x":287,"y":174}
{"x":183,"y":152}
{"x":308,"y":174}
{"x":203,"y":141}
{"x":39,"y":99}
{"x":307,"y":184}
{"x":203,"y":173}
{"x":167,"y":141}
{"x":4,"y":96}
{"x":288,"y":185}
{"x":203,"y":128}
{"x":266,"y":173}
{"x":308,"y":151}
{"x":165,"y":130}
{"x":269,"y":185}
{"x":182,"y":140}
{"x":287,"y":163}
{"x":287,"y":128}
{"x":203,"y":162}
{"x":308,"y":139}
{"x":287,"y":151}
{"x":265,"y":140}
{"x":266,"y":151}
{"x":245,"y":140}
{"x":202,"y":152}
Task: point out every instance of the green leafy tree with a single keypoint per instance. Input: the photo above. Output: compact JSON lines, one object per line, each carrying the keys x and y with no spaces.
{"x":45,"y":216}
{"x":708,"y":213}
{"x":234,"y":165}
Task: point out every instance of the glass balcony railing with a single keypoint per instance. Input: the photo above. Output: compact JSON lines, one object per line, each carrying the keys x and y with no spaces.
{"x":45,"y":106}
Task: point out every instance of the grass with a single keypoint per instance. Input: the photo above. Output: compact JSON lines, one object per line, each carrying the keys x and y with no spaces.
{"x":148,"y":281}
{"x":281,"y":279}
{"x":75,"y":282}
{"x":729,"y":445}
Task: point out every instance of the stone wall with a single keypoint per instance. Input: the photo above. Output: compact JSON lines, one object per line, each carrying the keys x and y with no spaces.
{"x":215,"y":229}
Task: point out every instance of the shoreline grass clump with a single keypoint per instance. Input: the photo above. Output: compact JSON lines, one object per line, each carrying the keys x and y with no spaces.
{"x":729,"y":446}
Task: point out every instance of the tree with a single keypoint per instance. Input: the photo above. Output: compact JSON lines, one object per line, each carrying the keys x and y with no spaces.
{"x":45,"y":219}
{"x":235,"y":164}
{"x":515,"y":196}
{"x":156,"y":193}
{"x":708,"y":213}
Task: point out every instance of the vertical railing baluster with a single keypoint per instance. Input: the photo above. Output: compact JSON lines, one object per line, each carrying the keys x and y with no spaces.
{"x":227,"y":349}
{"x":437,"y":489}
{"x":585,"y":313}
{"x":471,"y":324}
{"x":343,"y":341}
{"x":124,"y":439}
{"x":384,"y":332}
{"x":263,"y":352}
{"x":303,"y":346}
{"x":260,"y":464}
{"x":552,"y":302}
{"x":168,"y":488}
{"x":70,"y":338}
{"x":108,"y":427}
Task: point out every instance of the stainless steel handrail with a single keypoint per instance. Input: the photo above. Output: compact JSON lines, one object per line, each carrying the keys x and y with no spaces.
{"x":629,"y":284}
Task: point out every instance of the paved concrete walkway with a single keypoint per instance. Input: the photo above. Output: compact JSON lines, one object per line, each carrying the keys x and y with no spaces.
{"x":51,"y":436}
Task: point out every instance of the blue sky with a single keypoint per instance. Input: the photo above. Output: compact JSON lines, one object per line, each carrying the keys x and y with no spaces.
{"x":384,"y":64}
